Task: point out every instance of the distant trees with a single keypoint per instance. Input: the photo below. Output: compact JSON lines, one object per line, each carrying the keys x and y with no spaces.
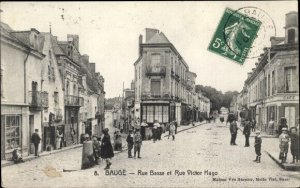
{"x":217,"y":98}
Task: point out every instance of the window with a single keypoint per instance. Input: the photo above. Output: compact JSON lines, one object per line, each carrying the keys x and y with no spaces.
{"x":74,"y":89}
{"x":165,"y":114}
{"x":158,"y":114}
{"x":273,"y":83}
{"x":155,"y":59}
{"x":56,"y":99}
{"x":50,"y":57}
{"x":291,"y":36}
{"x":12,"y":125}
{"x":150,"y":111}
{"x":289,"y":79}
{"x":155,"y":87}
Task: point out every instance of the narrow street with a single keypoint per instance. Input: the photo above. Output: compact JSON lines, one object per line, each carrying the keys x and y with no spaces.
{"x":203,"y":151}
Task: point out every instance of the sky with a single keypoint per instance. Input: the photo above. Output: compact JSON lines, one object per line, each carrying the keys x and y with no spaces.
{"x":108,"y":33}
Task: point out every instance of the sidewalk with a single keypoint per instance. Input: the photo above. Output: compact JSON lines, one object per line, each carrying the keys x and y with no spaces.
{"x":270,"y":144}
{"x":5,"y":163}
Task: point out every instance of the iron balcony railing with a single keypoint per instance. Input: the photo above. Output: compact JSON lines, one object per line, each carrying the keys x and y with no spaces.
{"x":71,"y":100}
{"x":155,"y":95}
{"x":38,"y":99}
{"x":156,"y":71}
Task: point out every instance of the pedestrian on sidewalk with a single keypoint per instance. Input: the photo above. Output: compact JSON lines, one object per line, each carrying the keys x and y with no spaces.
{"x":137,"y":141}
{"x":172,"y":130}
{"x":58,"y":139}
{"x":176,"y":126}
{"x":257,"y":146}
{"x":36,"y":139}
{"x":17,"y":156}
{"x":284,"y":139}
{"x":246,"y":132}
{"x":233,"y":131}
{"x":96,"y":148}
{"x":295,"y":150}
{"x":159,"y":131}
{"x":106,"y":148}
{"x":129,"y":141}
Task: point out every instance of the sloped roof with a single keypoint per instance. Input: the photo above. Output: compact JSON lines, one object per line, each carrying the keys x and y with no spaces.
{"x":57,"y":49}
{"x":158,"y":38}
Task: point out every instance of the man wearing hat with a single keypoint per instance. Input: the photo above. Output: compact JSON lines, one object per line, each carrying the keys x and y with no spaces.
{"x":129,"y":141}
{"x":35,"y":139}
{"x":137,"y":141}
{"x":257,"y":146}
{"x":284,"y":139}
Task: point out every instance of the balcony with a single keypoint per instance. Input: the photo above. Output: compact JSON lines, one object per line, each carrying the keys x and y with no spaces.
{"x":175,"y":76}
{"x":153,"y":96}
{"x":38,"y":100}
{"x":71,"y":100}
{"x":156,"y":71}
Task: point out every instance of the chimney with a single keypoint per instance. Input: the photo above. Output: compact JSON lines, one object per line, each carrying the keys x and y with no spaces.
{"x":92,"y":67}
{"x":249,"y":74}
{"x":85,"y":58}
{"x":291,"y":27}
{"x":140,"y":42}
{"x":83,"y":78}
{"x":33,"y":38}
{"x":150,"y":33}
{"x":74,"y":39}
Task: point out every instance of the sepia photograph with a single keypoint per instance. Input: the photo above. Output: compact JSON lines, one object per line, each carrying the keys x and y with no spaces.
{"x":149,"y":94}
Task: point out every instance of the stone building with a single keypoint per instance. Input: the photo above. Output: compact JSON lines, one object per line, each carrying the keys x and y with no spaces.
{"x":164,"y":86}
{"x":273,"y":85}
{"x":22,"y":95}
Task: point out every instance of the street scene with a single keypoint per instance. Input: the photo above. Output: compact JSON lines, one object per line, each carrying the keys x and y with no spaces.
{"x":150,"y":94}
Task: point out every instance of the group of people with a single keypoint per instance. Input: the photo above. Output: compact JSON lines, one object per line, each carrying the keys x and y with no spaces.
{"x":285,"y":137}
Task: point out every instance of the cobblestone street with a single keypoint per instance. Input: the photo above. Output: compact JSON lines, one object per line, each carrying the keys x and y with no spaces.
{"x":204,"y":150}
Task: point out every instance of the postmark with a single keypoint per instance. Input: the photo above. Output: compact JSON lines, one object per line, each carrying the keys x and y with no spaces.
{"x":234,"y":35}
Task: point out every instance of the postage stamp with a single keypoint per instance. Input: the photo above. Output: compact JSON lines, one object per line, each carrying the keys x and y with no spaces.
{"x":234,"y":35}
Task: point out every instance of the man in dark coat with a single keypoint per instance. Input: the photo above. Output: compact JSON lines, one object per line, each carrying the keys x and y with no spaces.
{"x":233,"y":131}
{"x":36,"y":139}
{"x":295,"y":148}
{"x":129,"y":141}
{"x":246,"y":132}
{"x":106,"y":148}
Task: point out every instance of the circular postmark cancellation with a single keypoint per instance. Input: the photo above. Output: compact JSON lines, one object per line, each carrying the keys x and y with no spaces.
{"x":247,"y":31}
{"x":242,"y":34}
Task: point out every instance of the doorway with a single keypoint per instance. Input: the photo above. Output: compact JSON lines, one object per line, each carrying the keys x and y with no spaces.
{"x":289,"y":114}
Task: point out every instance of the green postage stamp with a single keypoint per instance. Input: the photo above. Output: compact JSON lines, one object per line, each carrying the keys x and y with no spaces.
{"x":234,"y":35}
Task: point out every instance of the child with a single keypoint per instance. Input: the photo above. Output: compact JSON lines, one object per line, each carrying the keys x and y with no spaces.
{"x":257,"y":146}
{"x":284,"y":139}
{"x":137,"y":141}
{"x":172,"y":130}
{"x":294,"y":144}
{"x":130,"y":143}
{"x":17,"y":157}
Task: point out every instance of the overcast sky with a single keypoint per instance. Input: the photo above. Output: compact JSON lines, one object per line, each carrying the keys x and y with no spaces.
{"x":108,"y":33}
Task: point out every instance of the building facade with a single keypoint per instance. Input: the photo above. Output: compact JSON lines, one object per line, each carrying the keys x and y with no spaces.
{"x":273,"y":85}
{"x":164,"y":86}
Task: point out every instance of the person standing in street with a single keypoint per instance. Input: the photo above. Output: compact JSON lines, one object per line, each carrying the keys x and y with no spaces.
{"x":284,"y":140}
{"x":137,"y":141}
{"x":253,"y":125}
{"x":159,"y":131}
{"x":233,"y":131}
{"x":129,"y":141}
{"x":143,"y":129}
{"x":154,"y":131}
{"x":295,"y":147}
{"x":283,"y":124}
{"x":247,"y":132}
{"x":96,"y":148}
{"x":172,"y":130}
{"x":36,"y":139}
{"x":176,"y":125}
{"x":106,"y":148}
{"x":257,"y":146}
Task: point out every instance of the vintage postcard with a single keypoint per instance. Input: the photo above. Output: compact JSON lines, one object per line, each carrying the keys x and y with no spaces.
{"x":150,"y":94}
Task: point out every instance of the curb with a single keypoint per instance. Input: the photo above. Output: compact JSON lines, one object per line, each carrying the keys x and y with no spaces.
{"x":29,"y":158}
{"x":285,"y":166}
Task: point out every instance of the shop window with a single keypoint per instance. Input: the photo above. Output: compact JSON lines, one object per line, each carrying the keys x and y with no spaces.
{"x":165,"y":114}
{"x":150,"y":116}
{"x":12,"y":124}
{"x":158,"y":113}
